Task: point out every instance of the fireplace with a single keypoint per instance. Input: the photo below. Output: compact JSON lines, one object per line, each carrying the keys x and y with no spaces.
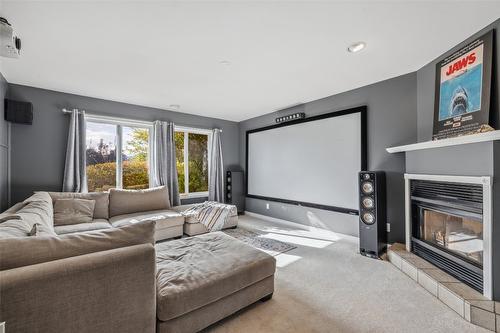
{"x":449,"y":225}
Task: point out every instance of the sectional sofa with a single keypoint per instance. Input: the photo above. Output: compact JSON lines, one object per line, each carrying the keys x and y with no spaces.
{"x":110,"y":276}
{"x":112,"y":209}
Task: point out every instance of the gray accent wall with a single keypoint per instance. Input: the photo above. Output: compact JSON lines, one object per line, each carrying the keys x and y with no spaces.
{"x":392,"y":119}
{"x":479,"y":159}
{"x":4,"y":149}
{"x":38,"y":151}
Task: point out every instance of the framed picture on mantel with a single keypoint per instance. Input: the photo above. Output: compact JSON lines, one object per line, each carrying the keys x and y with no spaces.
{"x":463,"y":90}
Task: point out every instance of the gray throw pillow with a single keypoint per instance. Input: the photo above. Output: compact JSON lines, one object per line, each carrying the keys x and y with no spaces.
{"x":73,"y":211}
{"x":133,"y":201}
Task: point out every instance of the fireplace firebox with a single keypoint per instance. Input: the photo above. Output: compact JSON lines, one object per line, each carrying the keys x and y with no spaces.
{"x":447,"y":228}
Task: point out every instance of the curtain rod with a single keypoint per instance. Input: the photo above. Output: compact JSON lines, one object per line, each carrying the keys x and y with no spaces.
{"x":64,"y":110}
{"x":67,"y":111}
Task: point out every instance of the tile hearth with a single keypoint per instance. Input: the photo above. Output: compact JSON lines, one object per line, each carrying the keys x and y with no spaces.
{"x":467,"y":302}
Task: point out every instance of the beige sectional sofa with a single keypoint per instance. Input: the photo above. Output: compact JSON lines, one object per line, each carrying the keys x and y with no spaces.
{"x":118,"y":208}
{"x":107,"y":275}
{"x":102,"y":281}
{"x":112,"y":209}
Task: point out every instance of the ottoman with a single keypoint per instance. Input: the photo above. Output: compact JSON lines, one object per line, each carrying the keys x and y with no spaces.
{"x":203,"y":279}
{"x":193,"y":227}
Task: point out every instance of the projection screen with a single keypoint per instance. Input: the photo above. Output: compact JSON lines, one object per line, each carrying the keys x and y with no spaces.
{"x":311,"y":162}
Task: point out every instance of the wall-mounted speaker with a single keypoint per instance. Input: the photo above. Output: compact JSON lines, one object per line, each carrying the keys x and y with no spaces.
{"x":18,"y":112}
{"x":235,"y":194}
{"x":372,"y":214}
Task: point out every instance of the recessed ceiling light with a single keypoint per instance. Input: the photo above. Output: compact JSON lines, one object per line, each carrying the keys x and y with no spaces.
{"x":174,"y":106}
{"x":356,"y":47}
{"x":225,"y":62}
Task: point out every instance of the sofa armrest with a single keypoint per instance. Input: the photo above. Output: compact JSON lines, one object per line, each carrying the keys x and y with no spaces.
{"x":107,"y":291}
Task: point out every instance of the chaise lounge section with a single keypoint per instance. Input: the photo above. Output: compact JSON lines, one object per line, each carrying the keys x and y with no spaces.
{"x":100,"y":281}
{"x":203,"y":279}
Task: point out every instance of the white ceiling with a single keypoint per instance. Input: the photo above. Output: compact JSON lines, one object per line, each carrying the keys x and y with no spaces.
{"x":159,"y":53}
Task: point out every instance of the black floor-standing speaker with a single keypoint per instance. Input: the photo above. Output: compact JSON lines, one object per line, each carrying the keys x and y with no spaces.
{"x":235,"y":194}
{"x":372,"y":214}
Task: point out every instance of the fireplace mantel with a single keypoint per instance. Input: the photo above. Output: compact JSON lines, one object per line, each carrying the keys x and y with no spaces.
{"x":460,"y":140}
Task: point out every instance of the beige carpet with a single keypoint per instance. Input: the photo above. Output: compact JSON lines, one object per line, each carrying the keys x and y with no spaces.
{"x":325,"y":286}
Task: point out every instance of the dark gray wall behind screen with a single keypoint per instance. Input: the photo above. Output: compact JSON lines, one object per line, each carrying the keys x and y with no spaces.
{"x":391,"y":121}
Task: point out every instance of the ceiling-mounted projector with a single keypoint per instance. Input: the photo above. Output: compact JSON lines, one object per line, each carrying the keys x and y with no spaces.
{"x":10,"y":44}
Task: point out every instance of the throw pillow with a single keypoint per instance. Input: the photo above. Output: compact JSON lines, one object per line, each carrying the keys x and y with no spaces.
{"x":134,"y":201}
{"x":73,"y":211}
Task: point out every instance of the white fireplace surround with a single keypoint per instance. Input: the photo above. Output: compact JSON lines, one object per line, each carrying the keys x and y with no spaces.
{"x":486,"y":181}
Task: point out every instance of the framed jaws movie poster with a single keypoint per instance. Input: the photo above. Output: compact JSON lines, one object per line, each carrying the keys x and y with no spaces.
{"x":463,"y":86}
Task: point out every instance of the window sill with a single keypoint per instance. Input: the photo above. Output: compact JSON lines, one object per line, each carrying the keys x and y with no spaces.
{"x":193,"y":195}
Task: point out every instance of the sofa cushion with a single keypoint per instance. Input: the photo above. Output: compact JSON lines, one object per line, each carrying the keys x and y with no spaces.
{"x":193,"y":229}
{"x":39,"y":230}
{"x":9,"y":216}
{"x":133,"y":201}
{"x":101,"y":209}
{"x":73,"y":211}
{"x":24,"y":251}
{"x":163,"y":218}
{"x":10,"y":213}
{"x":38,"y":209}
{"x":97,"y":224}
{"x":13,"y":229}
{"x":196,"y":271}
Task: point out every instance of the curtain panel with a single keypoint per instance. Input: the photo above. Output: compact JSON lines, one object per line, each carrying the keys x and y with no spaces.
{"x":163,"y":161}
{"x":216,"y":176}
{"x":75,"y":176}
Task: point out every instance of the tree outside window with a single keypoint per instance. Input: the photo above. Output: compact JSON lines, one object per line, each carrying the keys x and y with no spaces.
{"x":193,"y":148}
{"x":102,"y":162}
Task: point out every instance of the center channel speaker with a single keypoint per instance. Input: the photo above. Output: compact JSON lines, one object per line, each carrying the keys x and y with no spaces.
{"x":372,"y":214}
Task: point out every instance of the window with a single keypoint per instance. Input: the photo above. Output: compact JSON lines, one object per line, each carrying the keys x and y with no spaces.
{"x":117,"y":154}
{"x":101,"y":156}
{"x":192,"y":147}
{"x":135,"y":158}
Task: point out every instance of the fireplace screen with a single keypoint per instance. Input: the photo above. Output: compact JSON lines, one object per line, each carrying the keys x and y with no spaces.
{"x":460,"y":235}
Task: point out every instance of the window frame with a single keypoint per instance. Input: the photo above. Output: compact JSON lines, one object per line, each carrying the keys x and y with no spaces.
{"x":120,"y":123}
{"x":186,"y":130}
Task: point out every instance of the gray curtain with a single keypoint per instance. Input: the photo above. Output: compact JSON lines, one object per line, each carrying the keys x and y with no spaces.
{"x":75,"y":177}
{"x":163,"y":161}
{"x":216,"y":177}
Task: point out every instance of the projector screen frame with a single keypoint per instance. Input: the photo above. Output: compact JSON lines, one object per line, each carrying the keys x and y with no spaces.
{"x":364,"y":156}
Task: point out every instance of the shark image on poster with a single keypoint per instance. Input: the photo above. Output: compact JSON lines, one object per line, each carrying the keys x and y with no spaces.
{"x":461,"y":85}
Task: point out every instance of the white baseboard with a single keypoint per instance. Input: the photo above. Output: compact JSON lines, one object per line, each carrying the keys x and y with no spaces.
{"x":296,"y":225}
{"x":281,"y":221}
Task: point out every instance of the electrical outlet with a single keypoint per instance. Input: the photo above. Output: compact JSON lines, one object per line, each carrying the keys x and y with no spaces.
{"x":388,"y":227}
{"x":267,"y":206}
